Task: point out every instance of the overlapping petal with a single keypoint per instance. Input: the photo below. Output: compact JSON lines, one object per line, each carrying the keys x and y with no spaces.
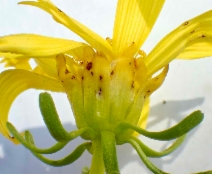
{"x":48,"y":65}
{"x":12,"y":83}
{"x":197,"y":50}
{"x":31,"y":45}
{"x":59,"y":16}
{"x":133,"y":23}
{"x":144,"y":116}
{"x":17,"y":63}
{"x":192,"y":33}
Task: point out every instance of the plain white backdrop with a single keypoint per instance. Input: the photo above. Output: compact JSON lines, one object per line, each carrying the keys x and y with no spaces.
{"x":188,"y":87}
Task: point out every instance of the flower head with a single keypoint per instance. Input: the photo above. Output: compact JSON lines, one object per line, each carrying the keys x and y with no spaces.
{"x":107,"y":81}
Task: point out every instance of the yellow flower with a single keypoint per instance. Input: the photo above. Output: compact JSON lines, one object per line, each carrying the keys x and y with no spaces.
{"x":107,"y":81}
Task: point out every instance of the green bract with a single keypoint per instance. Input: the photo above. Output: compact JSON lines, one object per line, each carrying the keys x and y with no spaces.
{"x":102,"y":143}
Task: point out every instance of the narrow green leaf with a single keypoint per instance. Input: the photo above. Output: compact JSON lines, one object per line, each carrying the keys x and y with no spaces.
{"x":51,"y":118}
{"x":109,"y":152}
{"x":53,"y":122}
{"x":58,"y":146}
{"x":18,"y":136}
{"x":154,"y":154}
{"x":176,"y":131}
{"x":62,"y":162}
{"x":143,"y":157}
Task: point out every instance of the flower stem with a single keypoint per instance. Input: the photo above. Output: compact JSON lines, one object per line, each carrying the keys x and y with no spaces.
{"x":97,"y":165}
{"x":109,"y":152}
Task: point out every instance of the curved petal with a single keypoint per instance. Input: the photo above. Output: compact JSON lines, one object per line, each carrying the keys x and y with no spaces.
{"x":154,"y":83}
{"x":197,"y":50}
{"x":192,"y":32}
{"x":12,"y":83}
{"x":133,"y":23}
{"x":59,"y":16}
{"x":39,"y":70}
{"x":10,"y":55}
{"x":81,"y":54}
{"x":17,"y":63}
{"x":31,"y":45}
{"x":48,"y":66}
{"x":144,"y":116}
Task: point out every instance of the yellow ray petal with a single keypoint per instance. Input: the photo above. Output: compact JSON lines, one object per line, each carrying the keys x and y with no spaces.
{"x":48,"y":65}
{"x":144,"y":116}
{"x":133,"y":23}
{"x":31,"y":45}
{"x":39,"y":70}
{"x":197,"y":50}
{"x":59,"y":16}
{"x":10,"y":55}
{"x":17,"y":63}
{"x":12,"y":83}
{"x":190,"y":33}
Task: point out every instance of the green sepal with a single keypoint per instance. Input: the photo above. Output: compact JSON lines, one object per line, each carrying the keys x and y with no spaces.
{"x":176,"y":131}
{"x":51,"y":118}
{"x":108,"y":143}
{"x":62,"y":162}
{"x":58,"y":146}
{"x":154,"y":154}
{"x":144,"y":158}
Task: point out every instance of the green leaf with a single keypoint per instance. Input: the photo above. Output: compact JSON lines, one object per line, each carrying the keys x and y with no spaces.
{"x":53,"y":122}
{"x":51,"y":118}
{"x":176,"y":131}
{"x":58,"y":146}
{"x":154,"y":154}
{"x":143,"y":157}
{"x":62,"y":162}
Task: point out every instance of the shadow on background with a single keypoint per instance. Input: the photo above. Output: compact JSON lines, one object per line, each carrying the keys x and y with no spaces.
{"x":171,"y":110}
{"x":18,"y":160}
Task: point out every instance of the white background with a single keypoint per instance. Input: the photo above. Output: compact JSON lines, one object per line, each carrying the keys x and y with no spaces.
{"x":188,"y":87}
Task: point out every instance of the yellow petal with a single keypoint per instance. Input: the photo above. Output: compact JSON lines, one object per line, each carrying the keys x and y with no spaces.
{"x":190,"y":33}
{"x":197,"y":50}
{"x":17,"y":63}
{"x":48,"y":65}
{"x":31,"y":45}
{"x":144,"y":116}
{"x":39,"y":70}
{"x":14,"y":82}
{"x":82,"y":53}
{"x":133,"y":23}
{"x":154,"y":83}
{"x":59,"y":16}
{"x":10,"y":55}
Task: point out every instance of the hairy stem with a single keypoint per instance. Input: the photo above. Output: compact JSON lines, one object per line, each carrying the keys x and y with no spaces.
{"x":109,"y":152}
{"x":97,"y":165}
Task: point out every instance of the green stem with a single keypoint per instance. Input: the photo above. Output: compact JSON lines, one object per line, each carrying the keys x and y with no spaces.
{"x":97,"y":165}
{"x":109,"y":152}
